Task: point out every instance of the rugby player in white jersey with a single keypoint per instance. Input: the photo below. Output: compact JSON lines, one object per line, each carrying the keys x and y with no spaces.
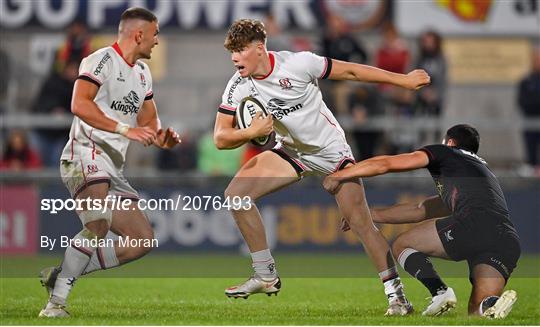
{"x":113,"y":105}
{"x":310,"y":141}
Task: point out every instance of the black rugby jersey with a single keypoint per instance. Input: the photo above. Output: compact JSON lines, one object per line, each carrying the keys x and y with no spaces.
{"x":465,"y":183}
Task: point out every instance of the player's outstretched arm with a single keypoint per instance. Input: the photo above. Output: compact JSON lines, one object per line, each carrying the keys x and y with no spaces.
{"x":342,"y":70}
{"x":84,"y":107}
{"x":148,"y":117}
{"x":226,"y":136}
{"x":406,"y":213}
{"x":376,"y":166}
{"x":402,"y":213}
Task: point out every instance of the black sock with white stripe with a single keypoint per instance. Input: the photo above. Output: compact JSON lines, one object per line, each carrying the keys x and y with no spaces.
{"x":419,"y":266}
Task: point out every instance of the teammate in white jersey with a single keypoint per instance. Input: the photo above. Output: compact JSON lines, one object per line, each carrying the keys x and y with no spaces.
{"x":113,"y":104}
{"x":310,"y":141}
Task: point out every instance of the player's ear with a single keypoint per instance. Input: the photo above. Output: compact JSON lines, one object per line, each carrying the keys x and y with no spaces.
{"x":451,"y":142}
{"x":260,"y":49}
{"x":138,"y":36}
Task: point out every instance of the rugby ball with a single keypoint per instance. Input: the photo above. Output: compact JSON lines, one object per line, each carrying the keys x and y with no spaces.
{"x":249,"y":106}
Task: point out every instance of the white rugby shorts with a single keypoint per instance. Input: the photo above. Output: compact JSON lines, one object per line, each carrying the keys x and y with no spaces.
{"x":91,"y":166}
{"x":325,"y":162}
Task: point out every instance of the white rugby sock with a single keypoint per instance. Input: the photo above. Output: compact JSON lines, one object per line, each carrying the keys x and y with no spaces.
{"x":103,"y":258}
{"x":392,"y":282}
{"x":393,"y":288}
{"x":264,"y":264}
{"x":76,"y":259}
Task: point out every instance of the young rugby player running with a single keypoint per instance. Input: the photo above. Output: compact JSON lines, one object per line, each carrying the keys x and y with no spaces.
{"x":113,"y":104}
{"x":477,"y":227}
{"x":310,"y":141}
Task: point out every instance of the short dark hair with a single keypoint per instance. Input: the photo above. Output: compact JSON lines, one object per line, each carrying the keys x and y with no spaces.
{"x":138,"y":13}
{"x":242,"y":32}
{"x":465,"y":136}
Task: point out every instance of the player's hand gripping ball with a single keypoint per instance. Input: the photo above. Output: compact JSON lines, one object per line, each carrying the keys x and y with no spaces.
{"x":246,"y":112}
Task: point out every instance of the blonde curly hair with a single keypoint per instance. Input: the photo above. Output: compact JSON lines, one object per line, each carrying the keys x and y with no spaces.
{"x":242,"y":32}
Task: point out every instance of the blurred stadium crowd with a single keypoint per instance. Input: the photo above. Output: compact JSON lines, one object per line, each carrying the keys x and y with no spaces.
{"x":378,"y":119}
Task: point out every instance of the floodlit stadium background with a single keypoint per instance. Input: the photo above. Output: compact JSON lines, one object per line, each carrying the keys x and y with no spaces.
{"x":488,"y":48}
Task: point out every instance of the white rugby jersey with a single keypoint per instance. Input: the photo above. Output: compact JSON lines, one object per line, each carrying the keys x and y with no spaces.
{"x":123,"y":88}
{"x":302,"y":120}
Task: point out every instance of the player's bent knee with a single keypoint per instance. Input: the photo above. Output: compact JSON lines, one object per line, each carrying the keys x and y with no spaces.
{"x":97,"y":221}
{"x":89,"y":216}
{"x":88,"y":234}
{"x":481,"y":291}
{"x":99,"y":228}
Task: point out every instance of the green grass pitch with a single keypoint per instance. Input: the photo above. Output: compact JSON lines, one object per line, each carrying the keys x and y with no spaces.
{"x":318,"y":289}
